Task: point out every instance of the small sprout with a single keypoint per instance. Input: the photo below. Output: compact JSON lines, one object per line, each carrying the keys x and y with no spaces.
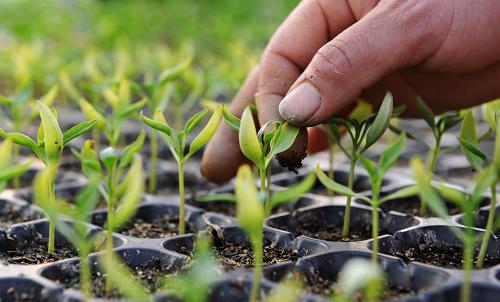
{"x":438,"y":127}
{"x":261,"y":147}
{"x":376,"y":174}
{"x":48,"y":148}
{"x":363,"y":131}
{"x":7,"y":170}
{"x":467,"y":203}
{"x":360,"y":276}
{"x":469,"y":143}
{"x":177,"y":143}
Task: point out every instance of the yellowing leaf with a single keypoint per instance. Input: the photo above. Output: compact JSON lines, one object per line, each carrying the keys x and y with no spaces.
{"x":53,"y":137}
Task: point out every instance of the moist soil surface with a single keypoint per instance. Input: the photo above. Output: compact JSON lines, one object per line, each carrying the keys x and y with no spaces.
{"x":12,"y":216}
{"x":240,"y":254}
{"x":150,"y":274}
{"x":161,"y":227}
{"x":411,"y":207}
{"x":439,"y":254}
{"x":220,"y":207}
{"x":36,"y":252}
{"x":317,"y":229}
{"x":325,"y":287}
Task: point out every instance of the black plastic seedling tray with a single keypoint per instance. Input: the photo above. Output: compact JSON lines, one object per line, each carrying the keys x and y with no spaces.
{"x":312,"y":257}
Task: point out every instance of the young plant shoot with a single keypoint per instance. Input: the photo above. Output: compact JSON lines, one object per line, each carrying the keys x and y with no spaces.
{"x":251,"y":215}
{"x":359,"y":276}
{"x":158,"y":93}
{"x":376,"y":174}
{"x":75,"y":232}
{"x":261,"y":147}
{"x":438,"y":127}
{"x":469,"y":142}
{"x":363,"y":133}
{"x":177,"y":142}
{"x":118,"y":99}
{"x":467,"y":203}
{"x":122,"y":194}
{"x":49,"y":147}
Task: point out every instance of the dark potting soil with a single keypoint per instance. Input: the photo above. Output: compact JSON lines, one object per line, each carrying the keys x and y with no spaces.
{"x":162,"y":227}
{"x":150,"y":274}
{"x":28,"y":295}
{"x":11,"y":216}
{"x":326,"y":287}
{"x":36,"y":252}
{"x":317,"y":229}
{"x":439,"y":254}
{"x":222,"y":207}
{"x":240,"y":254}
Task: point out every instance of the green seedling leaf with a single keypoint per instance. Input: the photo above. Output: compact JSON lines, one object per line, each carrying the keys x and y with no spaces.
{"x":86,"y":201}
{"x":484,"y":181}
{"x":6,"y":101}
{"x":249,"y":210}
{"x":158,"y":125}
{"x":489,"y":112}
{"x":401,"y":193}
{"x":131,"y":150}
{"x":194,"y":121}
{"x":249,"y":142}
{"x":357,"y":274}
{"x":19,"y":139}
{"x":391,"y":154}
{"x":109,"y":157}
{"x":372,"y":169}
{"x":217,"y":197}
{"x":133,"y":190}
{"x":449,"y":193}
{"x":336,"y":187}
{"x":6,"y":153}
{"x":397,"y":111}
{"x":381,"y":121}
{"x":496,"y":155}
{"x":211,"y":105}
{"x":14,"y":171}
{"x":122,"y":278}
{"x":78,"y":130}
{"x":91,"y":165}
{"x":231,"y":121}
{"x":91,"y":114}
{"x":449,"y":121}
{"x":362,"y":111}
{"x":132,"y":108}
{"x":426,"y":113}
{"x":206,"y":134}
{"x":174,"y":72}
{"x":426,"y":192}
{"x":53,"y":137}
{"x":42,"y":195}
{"x":293,"y":192}
{"x":286,"y":136}
{"x":474,"y":155}
{"x":469,"y":143}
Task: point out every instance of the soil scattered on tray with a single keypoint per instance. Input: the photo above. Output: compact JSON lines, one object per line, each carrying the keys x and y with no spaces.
{"x":240,"y":255}
{"x":150,"y":274}
{"x":35,"y":252}
{"x":12,"y":216}
{"x":317,"y":229}
{"x":325,"y":287}
{"x":161,"y":227}
{"x":439,"y":254}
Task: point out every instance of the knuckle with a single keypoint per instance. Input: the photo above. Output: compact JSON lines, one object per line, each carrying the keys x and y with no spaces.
{"x":332,"y":62}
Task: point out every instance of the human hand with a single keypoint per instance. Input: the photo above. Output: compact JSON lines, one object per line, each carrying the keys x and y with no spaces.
{"x":328,"y":53}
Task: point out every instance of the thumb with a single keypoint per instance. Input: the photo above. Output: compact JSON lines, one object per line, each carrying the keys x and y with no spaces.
{"x":393,"y":35}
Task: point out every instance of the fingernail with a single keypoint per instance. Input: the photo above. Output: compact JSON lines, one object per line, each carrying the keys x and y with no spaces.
{"x":300,"y":104}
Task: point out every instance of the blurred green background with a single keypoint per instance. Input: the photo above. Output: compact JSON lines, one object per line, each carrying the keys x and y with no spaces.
{"x":39,"y":38}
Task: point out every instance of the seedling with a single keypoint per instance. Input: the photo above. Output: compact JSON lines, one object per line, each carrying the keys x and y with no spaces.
{"x":7,"y":170}
{"x":438,"y":127}
{"x":262,"y":146}
{"x":359,"y":276}
{"x":77,"y":232}
{"x":121,"y":193}
{"x":363,"y":133}
{"x":467,"y":203}
{"x":469,"y":142}
{"x":111,"y":118}
{"x":21,"y":111}
{"x":158,"y":93}
{"x":177,"y":142}
{"x":192,"y":286}
{"x":49,"y":147}
{"x":376,"y":174}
